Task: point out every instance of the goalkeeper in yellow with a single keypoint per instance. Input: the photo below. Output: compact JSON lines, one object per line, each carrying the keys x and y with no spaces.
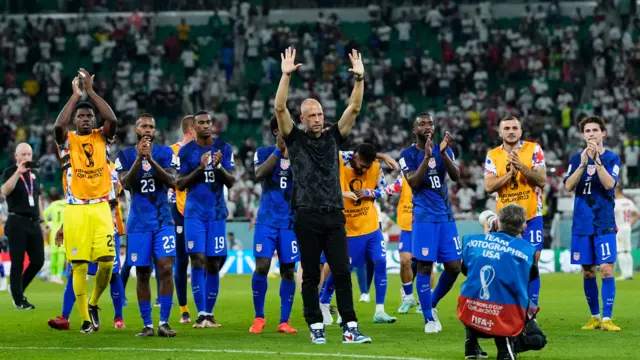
{"x":53,"y":216}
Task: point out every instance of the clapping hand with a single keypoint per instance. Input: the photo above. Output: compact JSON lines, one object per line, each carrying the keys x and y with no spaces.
{"x":446,"y":142}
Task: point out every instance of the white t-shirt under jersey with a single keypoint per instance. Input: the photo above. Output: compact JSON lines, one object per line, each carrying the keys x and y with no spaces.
{"x":624,"y":213}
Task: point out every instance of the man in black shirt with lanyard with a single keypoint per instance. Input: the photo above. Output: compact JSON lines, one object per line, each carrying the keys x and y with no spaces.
{"x":317,"y":197}
{"x":23,"y":227}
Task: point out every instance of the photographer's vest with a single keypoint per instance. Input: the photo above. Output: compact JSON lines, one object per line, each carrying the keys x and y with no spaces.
{"x":494,"y":298}
{"x":361,"y":215}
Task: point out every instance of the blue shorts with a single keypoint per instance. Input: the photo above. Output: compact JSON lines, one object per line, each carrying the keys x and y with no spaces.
{"x":405,"y":243}
{"x":436,"y":242}
{"x":158,"y":244}
{"x":593,"y":249}
{"x":267,"y":239}
{"x":93,"y":267}
{"x":206,"y":236}
{"x":366,"y":247}
{"x":535,"y":232}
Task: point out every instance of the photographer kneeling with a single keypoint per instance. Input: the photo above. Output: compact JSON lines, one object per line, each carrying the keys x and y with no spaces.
{"x":494,"y":300}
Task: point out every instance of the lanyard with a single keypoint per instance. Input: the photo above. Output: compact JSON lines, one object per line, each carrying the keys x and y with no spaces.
{"x":29,"y":190}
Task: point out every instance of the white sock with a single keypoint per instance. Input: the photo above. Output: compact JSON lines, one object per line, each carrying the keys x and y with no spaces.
{"x":161,"y":323}
{"x":317,"y":326}
{"x":628,"y":265}
{"x":379,"y":308}
{"x":597,"y":316}
{"x":605,"y":319}
{"x":149,"y":326}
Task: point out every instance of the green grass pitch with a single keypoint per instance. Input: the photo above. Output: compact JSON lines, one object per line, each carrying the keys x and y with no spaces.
{"x":25,"y":334}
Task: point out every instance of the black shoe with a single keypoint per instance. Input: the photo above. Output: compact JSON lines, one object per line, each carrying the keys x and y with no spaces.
{"x":166,"y":331}
{"x":506,"y":349}
{"x":211,"y":322}
{"x":185,"y":318}
{"x":472,"y":350}
{"x":93,"y":315}
{"x":25,"y":305}
{"x":147,"y":331}
{"x":200,"y":322}
{"x":87,"y":327}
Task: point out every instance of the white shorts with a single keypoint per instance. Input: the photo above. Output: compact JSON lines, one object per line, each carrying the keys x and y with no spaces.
{"x":623,"y":240}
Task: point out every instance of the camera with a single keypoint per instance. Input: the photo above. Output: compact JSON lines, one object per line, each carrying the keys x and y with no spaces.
{"x":32,"y":165}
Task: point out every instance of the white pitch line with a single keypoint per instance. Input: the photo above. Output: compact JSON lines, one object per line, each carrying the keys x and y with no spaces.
{"x":228,"y":351}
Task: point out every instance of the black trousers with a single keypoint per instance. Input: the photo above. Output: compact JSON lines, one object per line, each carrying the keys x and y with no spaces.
{"x":24,"y":236}
{"x":317,"y":231}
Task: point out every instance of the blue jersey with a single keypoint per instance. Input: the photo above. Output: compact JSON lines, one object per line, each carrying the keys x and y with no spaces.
{"x":593,"y":204}
{"x":275,"y":203}
{"x":431,"y":200}
{"x":149,"y":203}
{"x":205,"y":199}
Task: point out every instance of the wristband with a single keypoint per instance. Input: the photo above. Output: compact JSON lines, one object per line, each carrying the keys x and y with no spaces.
{"x":359,"y":78}
{"x":219,"y":166}
{"x":277,"y":153}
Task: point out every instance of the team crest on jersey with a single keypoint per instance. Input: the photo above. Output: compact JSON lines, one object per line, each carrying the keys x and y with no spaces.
{"x":74,"y":251}
{"x":179,"y":229}
{"x":425,"y":251}
{"x":134,"y":257}
{"x":591,"y":169}
{"x":576,"y":256}
{"x":145,"y":165}
{"x":190,"y":244}
{"x":432,"y":163}
{"x":284,"y":164}
{"x":258,"y":247}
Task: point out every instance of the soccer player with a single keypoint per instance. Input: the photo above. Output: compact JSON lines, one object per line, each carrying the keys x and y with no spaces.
{"x":53,"y":218}
{"x":362,"y":181}
{"x":61,"y":322}
{"x":593,"y":241}
{"x":205,"y":166}
{"x":516,"y":171}
{"x":626,"y":216}
{"x":274,"y":230}
{"x":434,"y":233}
{"x":84,"y":156}
{"x":177,"y":199}
{"x":148,"y":171}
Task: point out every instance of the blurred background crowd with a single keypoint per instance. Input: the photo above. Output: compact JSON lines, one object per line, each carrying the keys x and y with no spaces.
{"x":549,"y":67}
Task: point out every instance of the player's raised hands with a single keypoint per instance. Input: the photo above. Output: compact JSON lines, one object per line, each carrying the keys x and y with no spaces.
{"x":75,"y":84}
{"x":349,"y":195}
{"x":288,"y":61}
{"x":87,"y":79}
{"x":593,"y":150}
{"x":515,"y":161}
{"x":282,"y":146}
{"x":204,"y":160}
{"x":428,"y":147}
{"x":584,"y":157}
{"x":217,"y":157}
{"x":446,"y":142}
{"x":357,"y":67}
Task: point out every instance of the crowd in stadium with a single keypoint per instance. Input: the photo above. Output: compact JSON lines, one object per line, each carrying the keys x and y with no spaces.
{"x":548,"y":68}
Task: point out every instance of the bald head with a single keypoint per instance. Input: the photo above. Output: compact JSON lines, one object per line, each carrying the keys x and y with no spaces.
{"x":312,"y":116}
{"x":23,"y":153}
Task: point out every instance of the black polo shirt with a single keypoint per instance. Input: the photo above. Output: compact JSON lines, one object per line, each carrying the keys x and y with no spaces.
{"x":18,"y":199}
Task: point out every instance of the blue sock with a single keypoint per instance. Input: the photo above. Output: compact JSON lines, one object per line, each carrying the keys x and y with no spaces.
{"x":608,"y":296}
{"x":361,"y":275}
{"x":591,"y":293}
{"x":145,"y":312}
{"x":408,"y":288}
{"x":445,"y":283}
{"x":259,"y":286}
{"x":117,"y":292}
{"x":534,"y":290}
{"x":380,"y":270}
{"x":213,"y":286}
{"x":423,"y":287}
{"x":327,"y":290}
{"x":180,"y":278}
{"x":287,"y":293}
{"x":69,"y":298}
{"x":1,"y":270}
{"x":166,"y":302}
{"x":197,"y":287}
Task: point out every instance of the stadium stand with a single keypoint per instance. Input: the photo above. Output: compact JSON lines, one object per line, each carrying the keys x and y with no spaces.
{"x":550,"y":66}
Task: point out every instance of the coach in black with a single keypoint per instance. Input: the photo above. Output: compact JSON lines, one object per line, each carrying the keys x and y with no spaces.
{"x":317,"y":197}
{"x":23,"y":227}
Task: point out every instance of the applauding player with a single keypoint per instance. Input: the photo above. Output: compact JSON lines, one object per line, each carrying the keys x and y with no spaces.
{"x":593,"y":241}
{"x":274,"y":230}
{"x":146,"y":170}
{"x":434,"y":235}
{"x":205,"y":167}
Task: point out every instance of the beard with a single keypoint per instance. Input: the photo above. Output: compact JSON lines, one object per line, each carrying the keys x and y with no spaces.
{"x":151,"y":137}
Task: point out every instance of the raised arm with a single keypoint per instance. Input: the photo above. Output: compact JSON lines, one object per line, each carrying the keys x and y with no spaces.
{"x":449,"y":162}
{"x":572,"y":180}
{"x":345,"y":124}
{"x":106,"y":113}
{"x":186,"y":179}
{"x":223,"y":171}
{"x":61,"y":127}
{"x":280,"y":103}
{"x":164,"y":172}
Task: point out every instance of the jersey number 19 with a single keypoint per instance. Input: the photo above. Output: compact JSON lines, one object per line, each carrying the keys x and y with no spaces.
{"x":209,"y":177}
